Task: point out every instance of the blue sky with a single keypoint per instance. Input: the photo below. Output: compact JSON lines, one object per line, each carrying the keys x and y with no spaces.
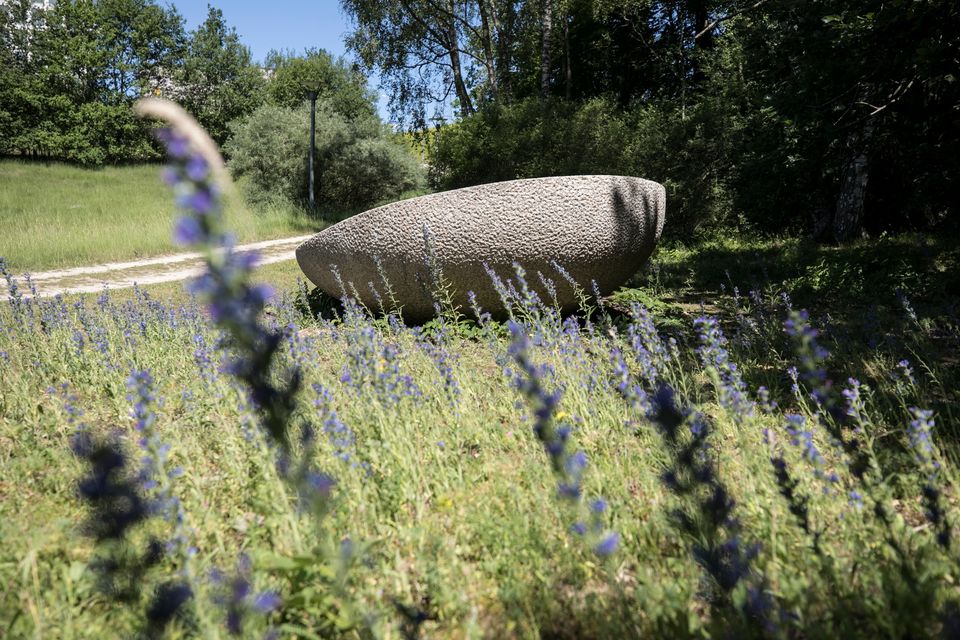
{"x":276,"y":24}
{"x":279,"y":24}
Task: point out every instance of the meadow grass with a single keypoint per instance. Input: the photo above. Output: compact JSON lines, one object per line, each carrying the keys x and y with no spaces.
{"x":55,"y":215}
{"x":448,"y":498}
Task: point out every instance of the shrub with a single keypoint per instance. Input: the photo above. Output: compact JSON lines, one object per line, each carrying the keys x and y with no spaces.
{"x":356,"y":161}
{"x":530,"y":139}
{"x":370,"y":170}
{"x":270,"y":148}
{"x":526,"y":140}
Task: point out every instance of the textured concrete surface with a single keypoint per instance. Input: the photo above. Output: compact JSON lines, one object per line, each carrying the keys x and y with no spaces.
{"x":597,"y":227}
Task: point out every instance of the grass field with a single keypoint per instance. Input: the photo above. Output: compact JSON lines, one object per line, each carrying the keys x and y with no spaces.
{"x":55,"y":215}
{"x":446,"y":495}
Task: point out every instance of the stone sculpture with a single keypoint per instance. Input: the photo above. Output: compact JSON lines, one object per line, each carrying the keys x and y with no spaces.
{"x":597,"y":228}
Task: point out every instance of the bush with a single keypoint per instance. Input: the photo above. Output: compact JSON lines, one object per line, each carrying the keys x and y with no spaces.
{"x":370,"y":170}
{"x":357,"y":163}
{"x":531,"y":139}
{"x":526,"y":140}
{"x":270,"y":148}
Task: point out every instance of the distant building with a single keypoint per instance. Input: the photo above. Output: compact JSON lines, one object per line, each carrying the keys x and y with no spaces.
{"x":28,"y":26}
{"x":37,"y":4}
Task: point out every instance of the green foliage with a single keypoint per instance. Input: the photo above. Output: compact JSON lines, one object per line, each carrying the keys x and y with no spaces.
{"x":218,"y":83}
{"x":368,"y":171}
{"x":341,"y":86}
{"x":847,"y":78}
{"x":69,"y":74}
{"x":269,"y":147}
{"x":531,"y":139}
{"x":835,"y":119}
{"x":357,"y":164}
{"x":451,"y":507}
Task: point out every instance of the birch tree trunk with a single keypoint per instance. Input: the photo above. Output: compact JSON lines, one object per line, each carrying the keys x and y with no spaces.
{"x":488,"y":59}
{"x":848,"y":214}
{"x":546,"y":20}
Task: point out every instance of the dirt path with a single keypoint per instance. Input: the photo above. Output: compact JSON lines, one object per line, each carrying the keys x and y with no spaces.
{"x":121,"y":275}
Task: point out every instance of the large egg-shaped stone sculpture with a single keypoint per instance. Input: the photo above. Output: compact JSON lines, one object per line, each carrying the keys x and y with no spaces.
{"x":596,"y":228}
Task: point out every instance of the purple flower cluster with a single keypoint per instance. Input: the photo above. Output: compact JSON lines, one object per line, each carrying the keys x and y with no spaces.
{"x":234,"y":594}
{"x":567,"y":463}
{"x":235,"y":306}
{"x":920,"y":435}
{"x":856,"y":405}
{"x":14,"y":295}
{"x":812,"y":355}
{"x":710,"y":522}
{"x":341,"y":437}
{"x":921,"y":439}
{"x":373,"y":365}
{"x":156,"y":478}
{"x":802,"y":437}
{"x":624,"y":382}
{"x":648,"y":348}
{"x":435,"y":345}
{"x":714,"y":356}
{"x":117,"y":507}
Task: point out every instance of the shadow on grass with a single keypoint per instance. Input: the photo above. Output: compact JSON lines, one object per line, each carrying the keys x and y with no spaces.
{"x":925,"y":269}
{"x":877,"y":302}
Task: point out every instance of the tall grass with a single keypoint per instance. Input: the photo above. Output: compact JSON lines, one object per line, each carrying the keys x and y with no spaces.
{"x":448,"y":500}
{"x":243,"y":471}
{"x":56,"y":215}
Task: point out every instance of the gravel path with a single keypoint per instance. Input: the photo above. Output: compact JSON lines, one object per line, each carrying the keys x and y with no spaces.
{"x":121,"y":275}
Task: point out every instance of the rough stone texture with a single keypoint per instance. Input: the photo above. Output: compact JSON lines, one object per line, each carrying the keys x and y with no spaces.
{"x":597,"y":227}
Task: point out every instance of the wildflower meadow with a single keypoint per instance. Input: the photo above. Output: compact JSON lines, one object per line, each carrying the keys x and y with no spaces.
{"x":250,"y":463}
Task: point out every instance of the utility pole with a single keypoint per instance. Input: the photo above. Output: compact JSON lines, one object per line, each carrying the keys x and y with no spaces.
{"x":311,"y":87}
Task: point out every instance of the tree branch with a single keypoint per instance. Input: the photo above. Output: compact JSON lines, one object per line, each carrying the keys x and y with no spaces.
{"x":707,"y":29}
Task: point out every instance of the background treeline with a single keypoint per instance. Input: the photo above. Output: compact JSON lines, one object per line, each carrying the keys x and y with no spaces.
{"x":70,"y":75}
{"x":823,"y":116}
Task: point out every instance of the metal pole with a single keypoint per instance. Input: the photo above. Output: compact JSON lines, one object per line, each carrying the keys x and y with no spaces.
{"x":313,"y":124}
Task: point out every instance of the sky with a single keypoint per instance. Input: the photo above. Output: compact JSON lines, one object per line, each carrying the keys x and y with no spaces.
{"x":276,"y":24}
{"x":279,"y":24}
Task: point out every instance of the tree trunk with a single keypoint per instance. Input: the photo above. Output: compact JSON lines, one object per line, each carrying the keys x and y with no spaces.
{"x":466,"y":104}
{"x":488,"y":49}
{"x":504,"y":40}
{"x":848,"y":214}
{"x":568,"y":71}
{"x":546,"y":20}
{"x":704,"y":43}
{"x":701,"y":17}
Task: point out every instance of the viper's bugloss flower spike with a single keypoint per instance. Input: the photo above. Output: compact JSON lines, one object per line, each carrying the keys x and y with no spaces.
{"x":920,"y":436}
{"x":234,"y":594}
{"x":568,"y":464}
{"x":708,"y":517}
{"x":235,"y":306}
{"x":117,"y":507}
{"x":648,"y":347}
{"x":731,"y":389}
{"x":156,"y":476}
{"x":812,"y":355}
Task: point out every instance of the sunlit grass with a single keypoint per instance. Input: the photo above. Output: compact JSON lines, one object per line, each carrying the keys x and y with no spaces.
{"x":458,"y":514}
{"x":55,"y":215}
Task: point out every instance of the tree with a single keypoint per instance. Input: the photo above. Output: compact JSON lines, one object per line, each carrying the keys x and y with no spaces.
{"x":429,"y":50}
{"x":71,"y":74}
{"x":143,"y":43}
{"x":219,"y":82}
{"x":863,"y":97}
{"x":342,"y":87}
{"x":546,"y":46}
